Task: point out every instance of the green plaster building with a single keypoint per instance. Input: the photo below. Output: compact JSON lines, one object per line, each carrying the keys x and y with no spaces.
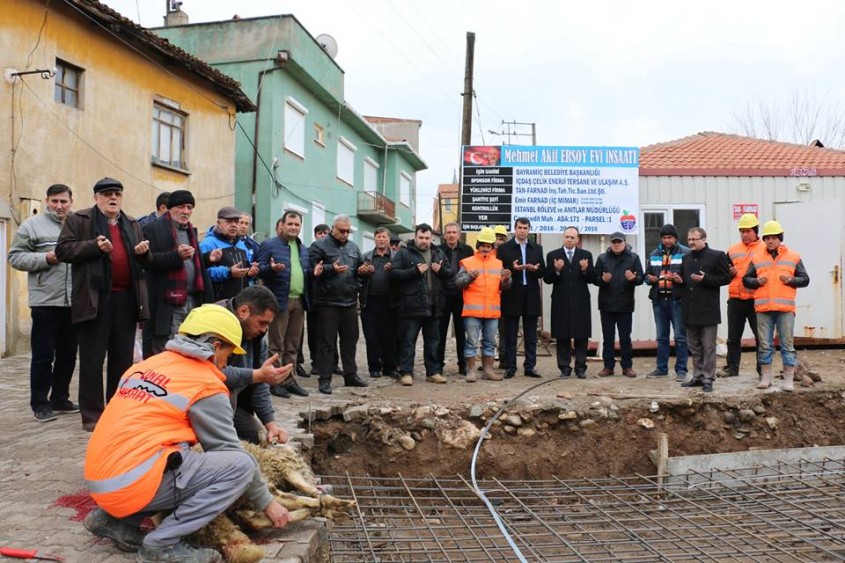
{"x":305,"y":148}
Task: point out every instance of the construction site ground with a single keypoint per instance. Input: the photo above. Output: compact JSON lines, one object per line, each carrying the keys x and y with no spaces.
{"x":564,"y":429}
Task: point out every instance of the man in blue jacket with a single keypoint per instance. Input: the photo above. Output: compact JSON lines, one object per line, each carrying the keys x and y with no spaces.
{"x":226,"y":255}
{"x":284,"y":266}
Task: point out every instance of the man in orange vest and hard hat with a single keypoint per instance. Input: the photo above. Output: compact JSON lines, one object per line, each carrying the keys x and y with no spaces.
{"x":740,"y":298}
{"x":483,"y":278}
{"x":139,"y":460}
{"x":775,"y":273}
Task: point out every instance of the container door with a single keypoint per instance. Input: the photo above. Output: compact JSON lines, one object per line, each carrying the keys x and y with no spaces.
{"x":814,"y":230}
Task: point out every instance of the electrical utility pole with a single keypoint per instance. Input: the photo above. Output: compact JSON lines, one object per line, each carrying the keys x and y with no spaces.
{"x":516,"y":133}
{"x":466,"y":121}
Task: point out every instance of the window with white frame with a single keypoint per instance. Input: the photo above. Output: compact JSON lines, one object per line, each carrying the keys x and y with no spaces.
{"x":405,"y":189}
{"x":318,"y":214}
{"x":346,"y":161}
{"x":368,"y":241}
{"x":319,"y":134}
{"x":169,"y":135}
{"x":295,"y":127}
{"x":682,"y":216}
{"x":68,"y":89}
{"x":370,"y":175}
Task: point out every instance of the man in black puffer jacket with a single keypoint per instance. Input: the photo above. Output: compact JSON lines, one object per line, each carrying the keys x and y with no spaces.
{"x":618,"y":273}
{"x":418,"y":272}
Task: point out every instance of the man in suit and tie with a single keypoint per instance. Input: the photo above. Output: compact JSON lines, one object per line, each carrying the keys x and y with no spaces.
{"x":570,"y":272}
{"x":525,"y":261}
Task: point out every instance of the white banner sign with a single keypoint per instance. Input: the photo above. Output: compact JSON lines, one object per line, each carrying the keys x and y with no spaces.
{"x":593,"y":188}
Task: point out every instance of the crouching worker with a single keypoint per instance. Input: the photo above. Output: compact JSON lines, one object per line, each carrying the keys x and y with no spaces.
{"x":139,"y":460}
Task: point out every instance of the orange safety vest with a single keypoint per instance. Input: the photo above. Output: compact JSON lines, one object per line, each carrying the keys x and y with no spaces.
{"x":740,"y":255}
{"x":775,"y":295}
{"x":145,"y":421}
{"x":483,"y":296}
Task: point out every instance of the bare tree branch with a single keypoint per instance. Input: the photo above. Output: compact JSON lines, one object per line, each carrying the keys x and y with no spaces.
{"x":807,"y":118}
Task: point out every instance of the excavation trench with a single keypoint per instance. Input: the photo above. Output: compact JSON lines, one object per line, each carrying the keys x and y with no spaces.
{"x":572,"y":479}
{"x":567,"y":438}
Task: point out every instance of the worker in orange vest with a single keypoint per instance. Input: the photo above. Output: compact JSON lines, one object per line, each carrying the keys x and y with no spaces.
{"x":139,"y":460}
{"x":482,"y":278}
{"x":740,"y":298}
{"x":775,"y":273}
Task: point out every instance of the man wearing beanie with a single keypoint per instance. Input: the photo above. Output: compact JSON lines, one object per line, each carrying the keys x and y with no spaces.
{"x":108,"y":252}
{"x":665,"y":297}
{"x":177,"y":277}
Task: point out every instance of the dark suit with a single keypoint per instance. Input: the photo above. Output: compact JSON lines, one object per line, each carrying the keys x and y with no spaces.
{"x":570,"y":314}
{"x":522,"y":300}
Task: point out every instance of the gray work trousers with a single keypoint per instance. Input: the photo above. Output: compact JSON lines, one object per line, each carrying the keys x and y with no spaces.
{"x":701,"y":341}
{"x":197,"y":492}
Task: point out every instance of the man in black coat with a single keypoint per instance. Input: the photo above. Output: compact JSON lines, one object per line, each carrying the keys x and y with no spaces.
{"x":525,"y":261}
{"x":618,"y":273}
{"x":418,"y":272}
{"x":177,"y":279}
{"x":453,"y":308}
{"x":703,"y":271}
{"x":570,"y":272}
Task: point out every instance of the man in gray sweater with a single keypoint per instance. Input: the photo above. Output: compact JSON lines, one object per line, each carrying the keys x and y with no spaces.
{"x":54,"y":340}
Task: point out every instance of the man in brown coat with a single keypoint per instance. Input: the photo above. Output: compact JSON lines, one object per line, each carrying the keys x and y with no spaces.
{"x":109,"y":294}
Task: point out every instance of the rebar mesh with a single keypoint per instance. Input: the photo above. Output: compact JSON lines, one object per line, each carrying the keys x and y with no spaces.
{"x":773,"y":513}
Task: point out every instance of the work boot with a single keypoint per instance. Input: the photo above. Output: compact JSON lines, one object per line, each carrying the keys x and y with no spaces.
{"x":179,"y":552}
{"x":766,"y":377}
{"x":435,"y":378}
{"x":354,"y":381}
{"x":325,"y":386}
{"x":606,"y":372}
{"x":471,"y":370}
{"x":103,"y":525}
{"x":788,"y":378}
{"x":487,"y":367}
{"x":728,"y":371}
{"x":629,"y":372}
{"x":407,"y":379}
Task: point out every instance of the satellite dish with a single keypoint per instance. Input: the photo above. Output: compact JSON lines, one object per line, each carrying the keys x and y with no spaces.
{"x":328,"y":43}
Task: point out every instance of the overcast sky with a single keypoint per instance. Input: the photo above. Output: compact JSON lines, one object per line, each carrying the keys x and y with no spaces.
{"x":586,"y":73}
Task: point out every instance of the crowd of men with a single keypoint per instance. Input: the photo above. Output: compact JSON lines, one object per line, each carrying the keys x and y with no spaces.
{"x":206,"y":305}
{"x":96,"y":273}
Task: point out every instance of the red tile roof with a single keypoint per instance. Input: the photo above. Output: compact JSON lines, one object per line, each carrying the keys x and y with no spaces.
{"x":719,"y":154}
{"x":152,"y":46}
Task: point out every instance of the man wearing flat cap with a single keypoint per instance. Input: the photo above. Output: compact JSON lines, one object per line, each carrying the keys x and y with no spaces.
{"x":618,"y":273}
{"x":226,"y":255}
{"x":108,"y":253}
{"x":177,"y":278}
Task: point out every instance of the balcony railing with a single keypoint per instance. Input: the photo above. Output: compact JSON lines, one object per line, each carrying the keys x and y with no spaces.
{"x":376,"y":208}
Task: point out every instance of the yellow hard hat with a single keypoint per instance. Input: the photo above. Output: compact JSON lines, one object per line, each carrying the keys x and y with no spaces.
{"x":486,"y":235}
{"x":748,"y":221}
{"x":214,"y":319}
{"x":772,"y":228}
{"x":500,"y":230}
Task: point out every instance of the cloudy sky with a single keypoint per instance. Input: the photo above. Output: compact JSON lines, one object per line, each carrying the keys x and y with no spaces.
{"x":586,"y":73}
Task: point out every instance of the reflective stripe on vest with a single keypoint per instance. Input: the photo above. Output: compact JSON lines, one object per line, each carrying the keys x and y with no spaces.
{"x":123,"y":480}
